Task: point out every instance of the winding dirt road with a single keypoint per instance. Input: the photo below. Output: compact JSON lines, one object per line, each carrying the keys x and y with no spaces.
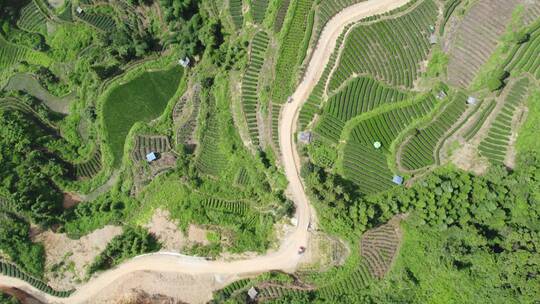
{"x":286,"y":258}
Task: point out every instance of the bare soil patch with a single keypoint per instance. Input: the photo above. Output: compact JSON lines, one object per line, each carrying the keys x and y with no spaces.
{"x":66,"y":259}
{"x":323,"y":252}
{"x":197,"y":234}
{"x":467,"y":158}
{"x":56,"y":3}
{"x":179,"y":288}
{"x":166,"y":231}
{"x":22,"y":296}
{"x":70,"y":200}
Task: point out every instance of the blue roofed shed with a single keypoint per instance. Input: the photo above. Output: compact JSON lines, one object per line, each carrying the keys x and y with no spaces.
{"x":150,"y":157}
{"x":398,"y":180}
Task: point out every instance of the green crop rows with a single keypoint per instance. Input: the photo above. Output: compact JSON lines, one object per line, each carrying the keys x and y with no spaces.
{"x":11,"y":54}
{"x":242,"y":177}
{"x":280,"y":15}
{"x":250,"y":83}
{"x":449,"y":8}
{"x":226,"y":292}
{"x":225,"y":206}
{"x":11,"y":270}
{"x":471,"y":132}
{"x":494,"y":146}
{"x":235,"y":9}
{"x":359,"y":96}
{"x":31,"y":18}
{"x":366,"y":165}
{"x":314,"y":101}
{"x":258,"y":10}
{"x":389,"y":50}
{"x":67,"y":13}
{"x":145,"y":144}
{"x":357,"y":280}
{"x":289,"y":51}
{"x":526,"y":58}
{"x":211,"y":160}
{"x":386,"y":126}
{"x":98,"y":20}
{"x":276,"y":110}
{"x":91,"y":167}
{"x":419,"y":151}
{"x":273,"y":292}
{"x":185,"y":131}
{"x":378,"y":248}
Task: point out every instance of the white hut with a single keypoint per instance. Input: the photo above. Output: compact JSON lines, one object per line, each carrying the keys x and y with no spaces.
{"x":184,"y":62}
{"x":252,"y":293}
{"x":471,"y":100}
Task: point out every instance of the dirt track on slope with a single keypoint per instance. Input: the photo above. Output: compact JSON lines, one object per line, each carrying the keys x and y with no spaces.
{"x":286,"y":258}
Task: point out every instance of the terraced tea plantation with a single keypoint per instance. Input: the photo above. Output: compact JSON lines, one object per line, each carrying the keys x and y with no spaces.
{"x":391,"y":50}
{"x":364,"y":162}
{"x":525,"y":58}
{"x":235,"y":9}
{"x":11,"y":54}
{"x":145,"y":144}
{"x":32,"y":19}
{"x":421,"y":150}
{"x":361,"y":95}
{"x":476,"y":38}
{"x":290,"y":51}
{"x":91,"y":167}
{"x":250,"y":84}
{"x":495,"y":145}
{"x":258,"y":10}
{"x":100,"y":21}
{"x":379,"y":247}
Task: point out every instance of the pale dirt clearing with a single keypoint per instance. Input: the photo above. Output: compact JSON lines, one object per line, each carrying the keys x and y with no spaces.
{"x":166,"y":231}
{"x":287,"y":257}
{"x":198,"y":235}
{"x":71,"y":257}
{"x":56,"y":3}
{"x":70,"y":200}
{"x":467,"y":158}
{"x":168,"y":286}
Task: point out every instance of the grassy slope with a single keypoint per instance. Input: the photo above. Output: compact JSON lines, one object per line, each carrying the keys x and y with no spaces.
{"x":528,"y":134}
{"x":141,"y":99}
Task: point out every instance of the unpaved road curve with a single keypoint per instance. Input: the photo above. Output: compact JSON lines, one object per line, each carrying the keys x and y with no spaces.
{"x":286,"y":258}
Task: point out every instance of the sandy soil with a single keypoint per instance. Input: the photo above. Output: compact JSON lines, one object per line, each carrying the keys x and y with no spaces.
{"x":171,"y":237}
{"x":286,"y":258}
{"x":166,"y":231}
{"x":71,"y":257}
{"x":169,"y":287}
{"x":198,"y":235}
{"x":70,"y":200}
{"x":468,"y":159}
